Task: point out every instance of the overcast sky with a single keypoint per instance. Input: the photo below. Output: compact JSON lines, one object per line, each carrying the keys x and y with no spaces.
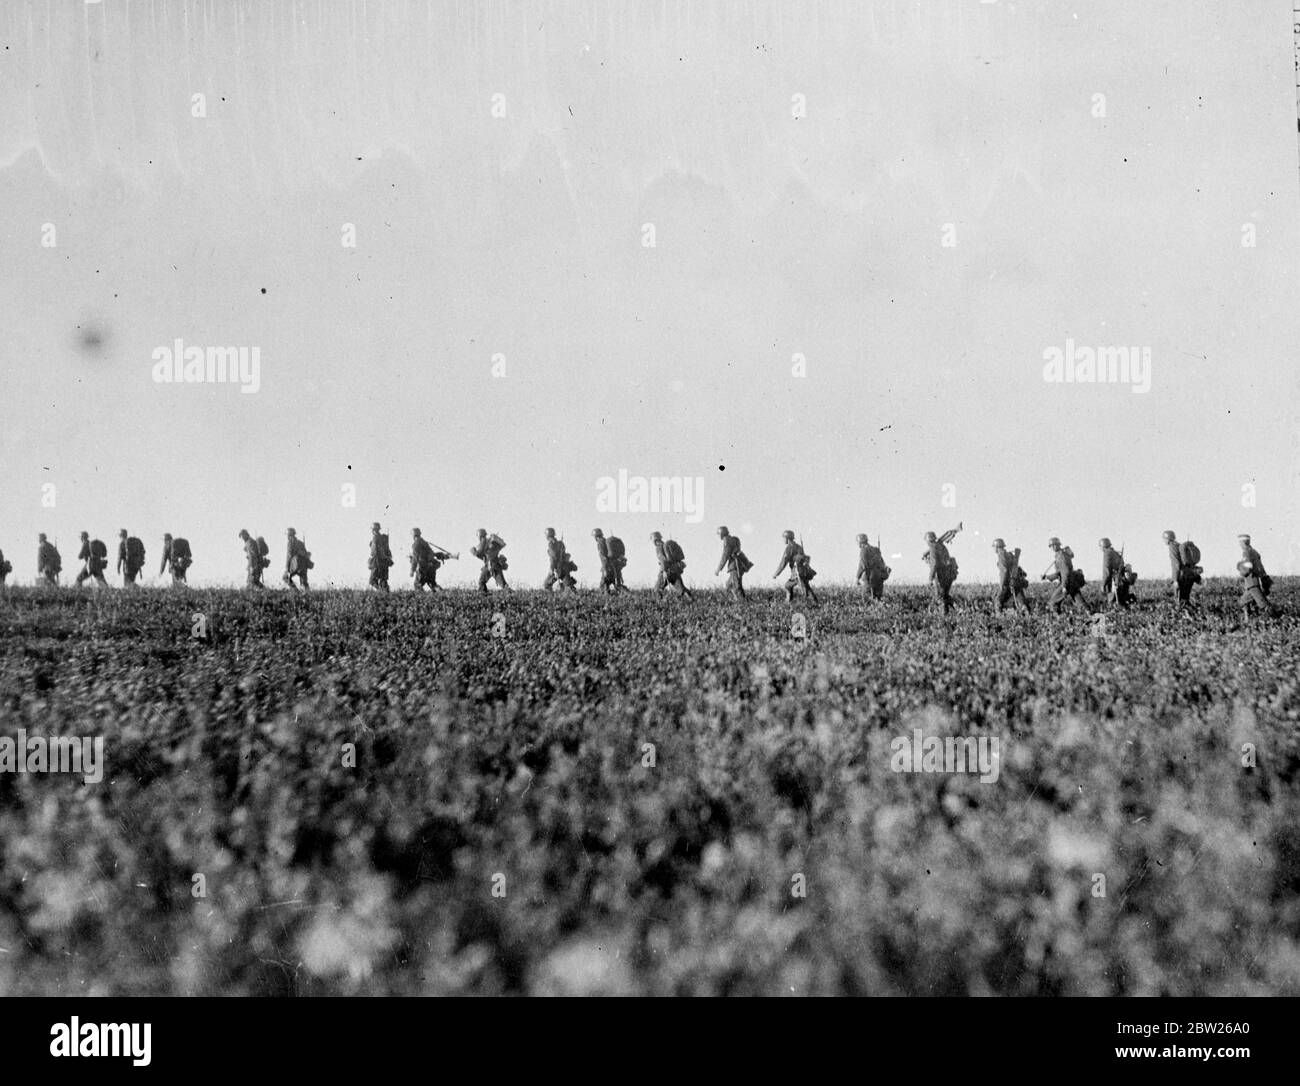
{"x":799,"y":163}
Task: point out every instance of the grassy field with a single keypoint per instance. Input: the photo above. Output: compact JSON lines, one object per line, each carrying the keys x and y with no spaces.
{"x":349,"y":793}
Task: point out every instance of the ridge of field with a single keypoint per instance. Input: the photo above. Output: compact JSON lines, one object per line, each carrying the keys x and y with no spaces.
{"x":510,"y":754}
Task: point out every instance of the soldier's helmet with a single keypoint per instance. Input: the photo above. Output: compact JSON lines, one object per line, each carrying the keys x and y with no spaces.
{"x":1054,"y":543}
{"x":482,"y":533}
{"x":85,"y":535}
{"x":550,"y":533}
{"x":1104,"y":543}
{"x":1167,"y":536}
{"x":722,"y":530}
{"x":415,"y":532}
{"x":375,"y":526}
{"x":121,"y":533}
{"x":997,"y":543}
{"x":40,"y":538}
{"x":291,"y":532}
{"x":862,"y":537}
{"x":597,"y":533}
{"x":1244,"y":539}
{"x":656,"y":536}
{"x":930,"y":537}
{"x":167,"y":537}
{"x":243,"y":533}
{"x":787,"y":534}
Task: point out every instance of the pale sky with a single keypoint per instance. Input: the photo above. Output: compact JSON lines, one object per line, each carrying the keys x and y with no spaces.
{"x":820,"y":234}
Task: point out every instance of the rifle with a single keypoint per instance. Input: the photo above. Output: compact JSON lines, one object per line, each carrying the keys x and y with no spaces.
{"x":950,"y":534}
{"x":442,"y":552}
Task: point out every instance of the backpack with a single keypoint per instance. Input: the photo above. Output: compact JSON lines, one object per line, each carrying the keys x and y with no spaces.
{"x":385,"y":554}
{"x":181,"y":553}
{"x":1075,"y":581}
{"x":134,"y":552}
{"x":50,"y":559}
{"x":423,"y":556}
{"x":263,"y":548}
{"x":617,"y":551}
{"x":567,"y":564}
{"x":495,"y":542}
{"x":98,"y":549}
{"x":1020,"y":579}
{"x":1190,"y":553}
{"x":6,"y":568}
{"x":743,"y":563}
{"x":673,"y":552}
{"x":806,"y":570}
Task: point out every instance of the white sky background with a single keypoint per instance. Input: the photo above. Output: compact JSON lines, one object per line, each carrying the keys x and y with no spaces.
{"x":774,"y":235}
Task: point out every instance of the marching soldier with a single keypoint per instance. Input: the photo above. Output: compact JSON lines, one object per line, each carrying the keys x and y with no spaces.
{"x":1012,"y":580}
{"x":176,"y":555}
{"x":426,"y":560}
{"x":381,"y":558}
{"x":608,"y":576}
{"x":254,"y":559}
{"x":801,"y":571}
{"x":1184,"y":571}
{"x":1255,"y":581}
{"x":1251,"y":555}
{"x":48,"y":563}
{"x":1115,"y":576}
{"x":489,"y":549}
{"x":943,"y":570}
{"x":672,"y":561}
{"x":734,"y":561}
{"x":94,"y":560}
{"x":6,"y":568}
{"x":297,"y":561}
{"x":1068,"y":582}
{"x":872,"y":571}
{"x":561,"y":564}
{"x":130,"y":557}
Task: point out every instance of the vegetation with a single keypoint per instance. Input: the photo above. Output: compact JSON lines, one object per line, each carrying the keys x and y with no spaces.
{"x":232,"y":846}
